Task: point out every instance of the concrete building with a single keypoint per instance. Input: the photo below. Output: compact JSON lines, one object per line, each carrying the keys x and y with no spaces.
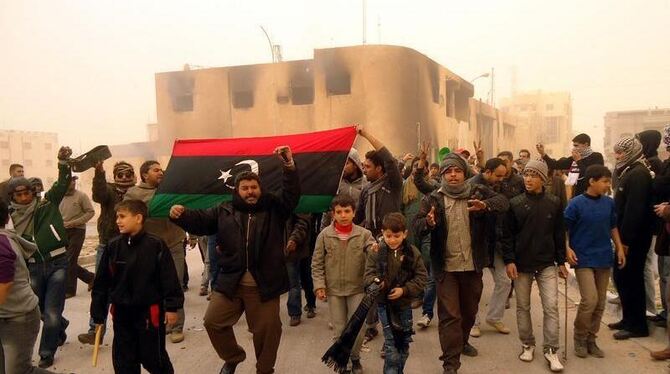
{"x":542,"y":117}
{"x":36,"y":151}
{"x":631,"y":122}
{"x":401,"y":95}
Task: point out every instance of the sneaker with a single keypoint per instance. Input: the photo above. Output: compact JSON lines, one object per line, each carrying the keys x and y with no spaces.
{"x":625,"y":335}
{"x":552,"y":359}
{"x":594,"y":350}
{"x":203,"y":291}
{"x":613,"y":298}
{"x":356,"y":367}
{"x":581,"y":350}
{"x":424,"y":321}
{"x":500,"y":327}
{"x":295,"y":321}
{"x":176,"y":337}
{"x":475,"y":331}
{"x":616,"y":325}
{"x":469,"y":350}
{"x":89,"y":338}
{"x":228,"y":368}
{"x":311,"y":313}
{"x":527,"y":353}
{"x":46,"y":362}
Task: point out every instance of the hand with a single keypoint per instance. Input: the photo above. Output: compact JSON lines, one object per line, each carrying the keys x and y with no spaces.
{"x":479,"y":151}
{"x":374,"y":248}
{"x":170,"y":318}
{"x":430,"y":217}
{"x":282,"y":151}
{"x":290,"y":246}
{"x":407,"y":157}
{"x":571,"y":256}
{"x":361,"y":131}
{"x":563,"y":272}
{"x":395,"y":293}
{"x":540,"y":149}
{"x":476,"y":205}
{"x":658,"y":209}
{"x":511,"y":271}
{"x":625,"y":250}
{"x":576,"y":156}
{"x":620,"y":258}
{"x":321,"y":294}
{"x":99,"y":166}
{"x":176,"y":211}
{"x":64,"y":153}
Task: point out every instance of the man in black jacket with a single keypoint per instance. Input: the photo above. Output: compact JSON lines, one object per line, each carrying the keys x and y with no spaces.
{"x":251,"y":270}
{"x":582,"y":155}
{"x":457,"y":217}
{"x":635,"y":223}
{"x":535,"y":226}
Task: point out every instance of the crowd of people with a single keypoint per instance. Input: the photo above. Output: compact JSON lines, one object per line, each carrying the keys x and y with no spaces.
{"x":421,"y":232}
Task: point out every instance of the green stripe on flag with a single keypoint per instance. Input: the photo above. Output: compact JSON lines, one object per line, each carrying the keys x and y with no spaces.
{"x":161,"y":203}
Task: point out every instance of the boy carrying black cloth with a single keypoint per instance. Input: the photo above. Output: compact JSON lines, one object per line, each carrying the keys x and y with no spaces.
{"x":400,"y":267}
{"x":137,"y":274}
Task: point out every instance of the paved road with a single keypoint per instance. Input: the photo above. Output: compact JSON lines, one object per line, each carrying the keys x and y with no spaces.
{"x":303,"y":346}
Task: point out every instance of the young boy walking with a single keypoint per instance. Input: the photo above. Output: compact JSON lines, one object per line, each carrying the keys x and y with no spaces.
{"x":591,"y":222}
{"x":535,"y":222}
{"x":399,"y":266}
{"x":338,"y":267}
{"x":137,"y":274}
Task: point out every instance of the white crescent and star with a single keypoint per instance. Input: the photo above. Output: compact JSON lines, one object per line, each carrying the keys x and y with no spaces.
{"x":225,"y":175}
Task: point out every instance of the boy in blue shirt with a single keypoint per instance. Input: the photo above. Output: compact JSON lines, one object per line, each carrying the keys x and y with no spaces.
{"x":591,"y":222}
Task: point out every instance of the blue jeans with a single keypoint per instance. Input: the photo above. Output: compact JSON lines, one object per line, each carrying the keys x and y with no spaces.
{"x":429,"y":293}
{"x":395,"y":359}
{"x":294,"y":301}
{"x":98,"y":256}
{"x":213,"y":259}
{"x":48,"y":282}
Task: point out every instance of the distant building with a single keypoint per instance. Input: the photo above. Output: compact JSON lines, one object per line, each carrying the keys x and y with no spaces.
{"x":542,"y":117}
{"x":401,"y":95}
{"x":36,"y":151}
{"x":631,"y":122}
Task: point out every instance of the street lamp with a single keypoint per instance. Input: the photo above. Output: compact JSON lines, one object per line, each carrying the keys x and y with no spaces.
{"x":485,"y":75}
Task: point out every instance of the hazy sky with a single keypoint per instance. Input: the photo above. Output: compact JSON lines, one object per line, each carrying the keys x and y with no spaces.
{"x":85,"y":69}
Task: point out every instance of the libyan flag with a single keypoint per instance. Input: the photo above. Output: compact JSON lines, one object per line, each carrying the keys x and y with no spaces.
{"x":201,"y":173}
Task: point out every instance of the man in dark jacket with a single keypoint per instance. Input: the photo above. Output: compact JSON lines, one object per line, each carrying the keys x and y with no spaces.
{"x":297,"y":249}
{"x":252,"y":270}
{"x":39,"y":221}
{"x":635,"y":223}
{"x":582,"y":156}
{"x":383,"y":194}
{"x":537,"y":247}
{"x":107,"y":195}
{"x":457,"y":218}
{"x":661,"y":191}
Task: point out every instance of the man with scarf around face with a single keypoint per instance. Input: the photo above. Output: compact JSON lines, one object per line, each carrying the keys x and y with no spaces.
{"x":39,"y":221}
{"x":108,"y":195}
{"x":457,"y":216}
{"x":582,"y":155}
{"x":635,"y":222}
{"x":251,"y":271}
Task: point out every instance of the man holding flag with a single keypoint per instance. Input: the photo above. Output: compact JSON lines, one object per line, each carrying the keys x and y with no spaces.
{"x":252,"y":275}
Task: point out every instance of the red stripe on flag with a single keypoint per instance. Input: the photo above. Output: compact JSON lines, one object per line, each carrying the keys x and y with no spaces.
{"x":338,"y":140}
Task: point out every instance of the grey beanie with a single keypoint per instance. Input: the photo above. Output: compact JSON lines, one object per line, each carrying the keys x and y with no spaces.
{"x":15,"y":183}
{"x":452,"y":159}
{"x":539,"y":167}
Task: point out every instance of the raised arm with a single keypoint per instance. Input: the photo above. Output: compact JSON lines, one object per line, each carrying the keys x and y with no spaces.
{"x":289,"y":197}
{"x":59,"y":189}
{"x":102,"y":191}
{"x":196,"y":221}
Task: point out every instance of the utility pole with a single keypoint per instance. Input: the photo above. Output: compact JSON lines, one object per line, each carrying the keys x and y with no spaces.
{"x":493,"y":87}
{"x":365,"y":24}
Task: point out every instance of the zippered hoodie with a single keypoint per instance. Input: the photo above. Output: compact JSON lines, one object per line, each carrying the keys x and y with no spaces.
{"x":48,"y":231}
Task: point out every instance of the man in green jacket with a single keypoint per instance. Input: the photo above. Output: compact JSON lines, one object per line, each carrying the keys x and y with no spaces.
{"x":39,"y":221}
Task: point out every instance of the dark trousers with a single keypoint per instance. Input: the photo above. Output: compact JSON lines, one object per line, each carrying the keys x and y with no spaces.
{"x":263,"y":320}
{"x":307,"y":282}
{"x":47,"y":280}
{"x":630,"y":284}
{"x":139,"y":339}
{"x":458,"y":295}
{"x":75,"y":239}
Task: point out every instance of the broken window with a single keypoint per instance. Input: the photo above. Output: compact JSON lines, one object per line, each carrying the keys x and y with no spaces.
{"x":338,"y":83}
{"x":302,"y":95}
{"x":180,"y":88}
{"x":243,"y":99}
